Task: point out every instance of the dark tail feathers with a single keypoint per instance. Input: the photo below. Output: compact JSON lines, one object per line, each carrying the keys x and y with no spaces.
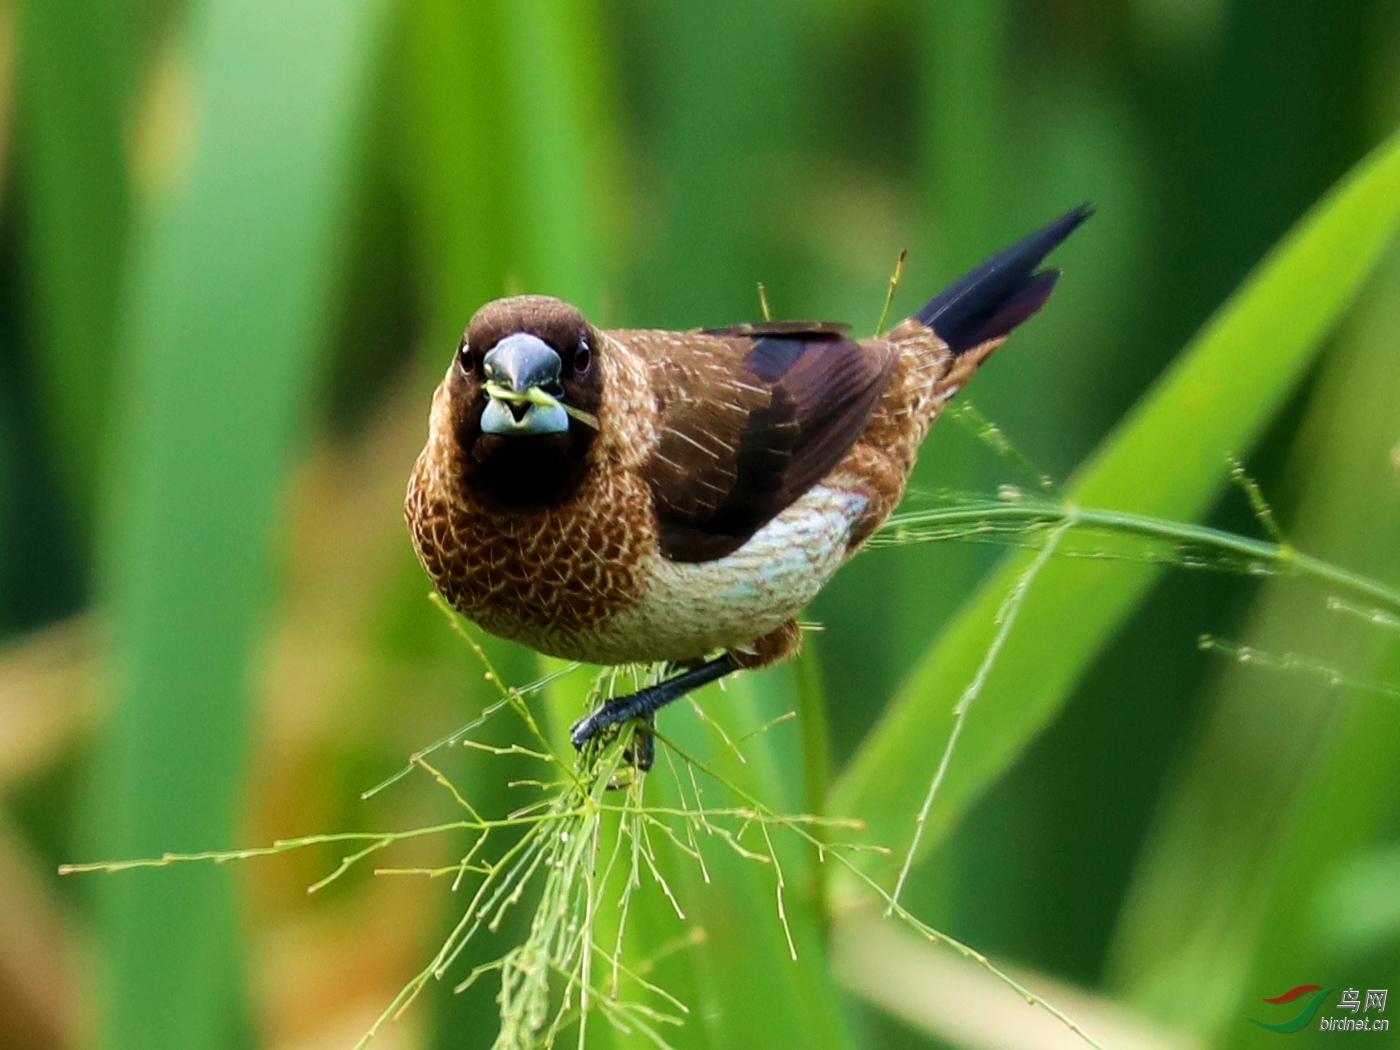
{"x":989,"y":301}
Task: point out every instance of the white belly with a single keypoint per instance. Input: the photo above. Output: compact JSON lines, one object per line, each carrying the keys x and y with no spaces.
{"x":692,"y":608}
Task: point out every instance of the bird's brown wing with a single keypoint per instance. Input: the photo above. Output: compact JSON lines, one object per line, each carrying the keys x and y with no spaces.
{"x":751,"y":418}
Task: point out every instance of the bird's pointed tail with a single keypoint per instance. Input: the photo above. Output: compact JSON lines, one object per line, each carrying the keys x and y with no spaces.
{"x":985,"y":304}
{"x":939,"y":349}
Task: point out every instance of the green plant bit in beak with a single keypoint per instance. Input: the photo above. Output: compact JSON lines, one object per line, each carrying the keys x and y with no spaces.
{"x":536,"y":396}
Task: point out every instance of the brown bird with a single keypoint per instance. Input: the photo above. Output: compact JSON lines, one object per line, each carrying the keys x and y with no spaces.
{"x":643,"y":496}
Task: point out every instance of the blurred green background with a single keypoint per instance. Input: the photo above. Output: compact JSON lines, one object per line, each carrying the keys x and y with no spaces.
{"x":238,"y":240}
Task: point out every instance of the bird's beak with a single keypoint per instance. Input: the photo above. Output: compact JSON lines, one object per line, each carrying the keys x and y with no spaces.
{"x":523,"y":385}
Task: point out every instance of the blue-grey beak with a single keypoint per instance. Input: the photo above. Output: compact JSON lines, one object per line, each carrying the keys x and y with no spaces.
{"x":518,"y":364}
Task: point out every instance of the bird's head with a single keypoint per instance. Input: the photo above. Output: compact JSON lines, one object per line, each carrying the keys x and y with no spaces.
{"x":525,"y":392}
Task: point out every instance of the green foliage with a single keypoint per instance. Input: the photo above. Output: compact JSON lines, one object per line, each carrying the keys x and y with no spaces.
{"x":1169,"y":458}
{"x":231,"y":279}
{"x":77,"y":213}
{"x":1185,"y":831}
{"x":1323,"y":760}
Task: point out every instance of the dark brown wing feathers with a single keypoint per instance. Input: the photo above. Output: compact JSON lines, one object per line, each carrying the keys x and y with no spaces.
{"x":751,"y":419}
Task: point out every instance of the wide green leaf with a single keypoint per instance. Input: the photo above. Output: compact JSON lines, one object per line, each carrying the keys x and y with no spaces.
{"x":229,"y":296}
{"x":1169,"y":459}
{"x":76,"y":66}
{"x":1295,"y":774}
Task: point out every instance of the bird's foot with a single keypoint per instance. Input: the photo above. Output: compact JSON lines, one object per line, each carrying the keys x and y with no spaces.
{"x":642,"y":753}
{"x":644,"y":702}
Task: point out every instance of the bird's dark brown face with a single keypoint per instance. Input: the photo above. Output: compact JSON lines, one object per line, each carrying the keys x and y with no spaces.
{"x":526,"y":389}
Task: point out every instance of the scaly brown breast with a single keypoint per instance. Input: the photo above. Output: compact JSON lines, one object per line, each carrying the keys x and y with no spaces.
{"x":548,"y":577}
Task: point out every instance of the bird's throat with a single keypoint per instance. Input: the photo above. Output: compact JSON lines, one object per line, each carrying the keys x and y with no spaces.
{"x":525,"y":471}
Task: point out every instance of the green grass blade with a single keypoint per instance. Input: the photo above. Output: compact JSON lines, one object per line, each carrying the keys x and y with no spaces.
{"x":1168,"y":458}
{"x":726,"y":83}
{"x":453,"y":95}
{"x":1294,"y":774}
{"x":566,"y":143}
{"x":963,"y":77}
{"x":230,"y":293}
{"x":74,"y":74}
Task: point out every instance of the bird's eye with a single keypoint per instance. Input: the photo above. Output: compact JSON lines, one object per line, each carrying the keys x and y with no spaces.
{"x":471,"y":366}
{"x":583,"y":357}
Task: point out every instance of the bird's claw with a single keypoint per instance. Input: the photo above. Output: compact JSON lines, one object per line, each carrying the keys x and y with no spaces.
{"x":582,"y":731}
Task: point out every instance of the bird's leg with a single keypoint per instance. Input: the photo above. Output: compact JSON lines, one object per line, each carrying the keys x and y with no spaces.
{"x":645,"y":701}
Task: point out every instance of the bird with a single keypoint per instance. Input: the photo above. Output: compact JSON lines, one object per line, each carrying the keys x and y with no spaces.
{"x":646,"y":496}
